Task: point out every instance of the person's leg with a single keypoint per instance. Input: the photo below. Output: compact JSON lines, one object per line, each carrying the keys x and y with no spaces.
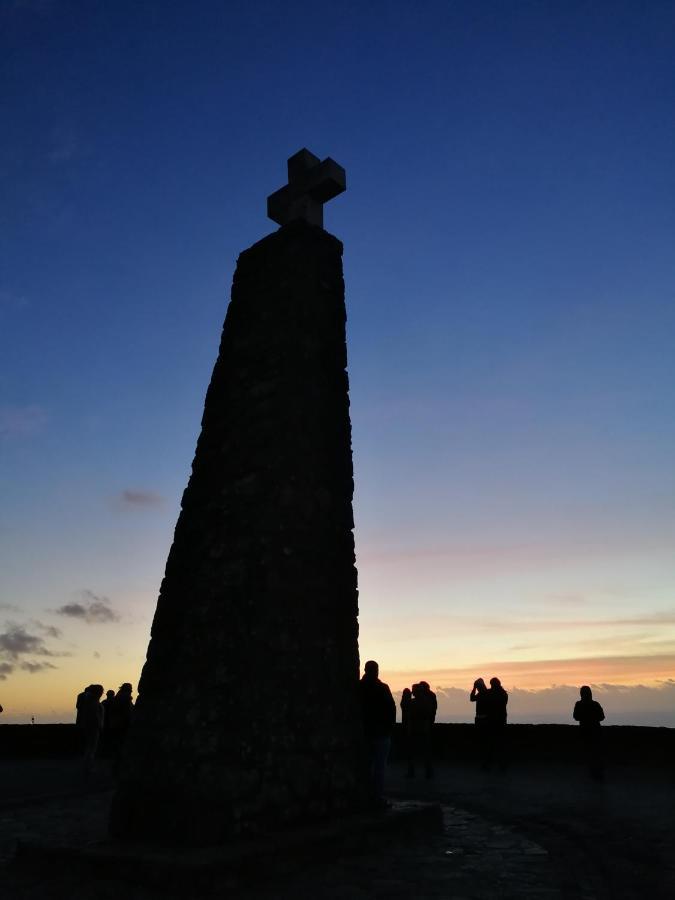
{"x":380,"y":755}
{"x":409,"y":755}
{"x":502,"y":747}
{"x":91,"y":745}
{"x":413,"y":754}
{"x":428,"y":753}
{"x":595,"y":754}
{"x":485,"y":743}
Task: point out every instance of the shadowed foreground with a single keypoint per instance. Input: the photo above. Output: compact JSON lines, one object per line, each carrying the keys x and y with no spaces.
{"x":535,"y":831}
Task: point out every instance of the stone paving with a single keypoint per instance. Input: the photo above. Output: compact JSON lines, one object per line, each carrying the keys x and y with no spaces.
{"x":470,"y":858}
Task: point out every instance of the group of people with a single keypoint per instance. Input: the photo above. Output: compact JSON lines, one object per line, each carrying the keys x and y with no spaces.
{"x":418,"y":714}
{"x":103,"y":722}
{"x":490,"y":719}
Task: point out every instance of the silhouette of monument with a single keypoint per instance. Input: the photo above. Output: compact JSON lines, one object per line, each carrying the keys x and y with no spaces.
{"x":247,"y":713}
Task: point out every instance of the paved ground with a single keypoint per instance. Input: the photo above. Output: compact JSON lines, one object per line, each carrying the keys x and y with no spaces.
{"x":610,"y":839}
{"x":521,"y":834}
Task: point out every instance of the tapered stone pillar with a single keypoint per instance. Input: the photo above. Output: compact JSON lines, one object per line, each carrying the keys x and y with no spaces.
{"x":247,"y":711}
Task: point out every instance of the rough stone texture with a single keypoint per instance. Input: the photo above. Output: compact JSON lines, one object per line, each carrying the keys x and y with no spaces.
{"x":247,"y":711}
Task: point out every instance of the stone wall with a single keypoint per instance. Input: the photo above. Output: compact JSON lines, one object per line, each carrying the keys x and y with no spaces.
{"x":247,"y":709}
{"x":624,"y":745}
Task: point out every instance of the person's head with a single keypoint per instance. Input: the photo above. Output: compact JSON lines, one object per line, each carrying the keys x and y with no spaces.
{"x":585,"y":692}
{"x":96,"y":690}
{"x":406,"y":694}
{"x":125,"y":688}
{"x":371,"y":669}
{"x":109,"y":695}
{"x":495,"y":683}
{"x":480,"y":685}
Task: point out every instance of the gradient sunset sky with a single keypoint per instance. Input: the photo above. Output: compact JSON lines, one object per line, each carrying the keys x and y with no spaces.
{"x":509,"y":230}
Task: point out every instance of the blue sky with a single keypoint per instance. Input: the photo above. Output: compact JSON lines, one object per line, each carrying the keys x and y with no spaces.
{"x":508,"y":231}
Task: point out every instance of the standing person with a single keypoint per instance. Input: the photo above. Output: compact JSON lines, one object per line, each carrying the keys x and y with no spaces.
{"x":406,"y":702}
{"x":122,"y":709}
{"x":91,"y":720}
{"x":497,"y":698}
{"x":479,"y":695}
{"x":378,"y":710}
{"x":80,"y":703}
{"x":107,"y":706}
{"x":589,"y":714}
{"x":422,"y":717}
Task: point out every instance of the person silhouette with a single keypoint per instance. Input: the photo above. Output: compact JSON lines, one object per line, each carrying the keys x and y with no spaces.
{"x":422,"y":716}
{"x":121,"y":710}
{"x":406,"y":701}
{"x":378,"y":711}
{"x":479,"y":696}
{"x":91,"y":720}
{"x":496,"y":699}
{"x":80,"y":703}
{"x":589,"y":714}
{"x":107,"y":706}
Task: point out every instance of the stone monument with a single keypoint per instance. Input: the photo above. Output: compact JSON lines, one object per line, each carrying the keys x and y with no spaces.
{"x":247,"y":714}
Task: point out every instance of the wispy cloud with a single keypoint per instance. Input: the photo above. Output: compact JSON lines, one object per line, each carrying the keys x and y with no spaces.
{"x":139,"y":498}
{"x":95,"y":610}
{"x":22,"y":421}
{"x":34,"y":667}
{"x":16,"y":641}
{"x":470,"y":559}
{"x":5,"y":670}
{"x":49,"y":630}
{"x":565,"y":599}
{"x":433,"y":623}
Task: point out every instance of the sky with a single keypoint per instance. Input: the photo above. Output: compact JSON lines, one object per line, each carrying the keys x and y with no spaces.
{"x":508,"y":229}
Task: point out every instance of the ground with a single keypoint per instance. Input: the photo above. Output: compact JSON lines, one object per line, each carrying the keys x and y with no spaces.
{"x":528,"y":832}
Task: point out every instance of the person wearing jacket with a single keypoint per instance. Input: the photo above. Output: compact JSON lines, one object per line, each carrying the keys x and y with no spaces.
{"x":378,"y":711}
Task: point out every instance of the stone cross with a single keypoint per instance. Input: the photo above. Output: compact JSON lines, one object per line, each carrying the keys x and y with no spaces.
{"x":311,"y":183}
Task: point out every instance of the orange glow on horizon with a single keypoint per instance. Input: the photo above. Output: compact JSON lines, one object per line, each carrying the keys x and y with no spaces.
{"x":541,"y":674}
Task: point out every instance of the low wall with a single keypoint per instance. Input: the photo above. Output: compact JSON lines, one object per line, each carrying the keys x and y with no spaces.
{"x":623,"y":744}
{"x":39,"y":741}
{"x":528,"y":744}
